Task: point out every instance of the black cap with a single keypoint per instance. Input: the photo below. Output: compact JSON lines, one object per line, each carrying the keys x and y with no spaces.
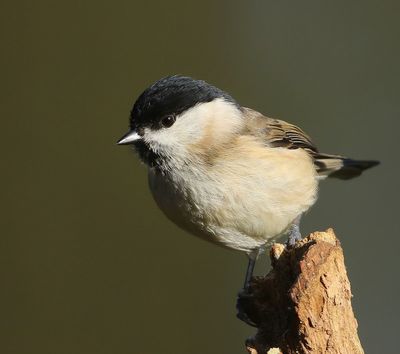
{"x":172,"y":95}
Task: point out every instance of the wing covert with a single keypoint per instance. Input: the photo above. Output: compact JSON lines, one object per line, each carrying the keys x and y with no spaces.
{"x":278,"y":133}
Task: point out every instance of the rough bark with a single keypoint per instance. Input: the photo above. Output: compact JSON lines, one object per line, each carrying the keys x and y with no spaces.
{"x":303,"y":305}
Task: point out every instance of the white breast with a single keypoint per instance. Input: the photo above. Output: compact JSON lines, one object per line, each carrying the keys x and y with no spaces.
{"x":245,"y":198}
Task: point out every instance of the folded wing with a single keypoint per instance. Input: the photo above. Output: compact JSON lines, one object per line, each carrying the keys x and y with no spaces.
{"x":280,"y":134}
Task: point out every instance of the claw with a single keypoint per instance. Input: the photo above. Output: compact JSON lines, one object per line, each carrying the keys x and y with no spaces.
{"x":295,"y":234}
{"x":243,"y":304}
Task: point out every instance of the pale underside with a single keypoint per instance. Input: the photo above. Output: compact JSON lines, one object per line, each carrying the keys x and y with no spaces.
{"x":245,"y":209}
{"x":243,"y":193}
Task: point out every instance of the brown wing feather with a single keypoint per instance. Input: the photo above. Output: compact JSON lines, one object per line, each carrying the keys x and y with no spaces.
{"x":278,"y":133}
{"x":282,"y":134}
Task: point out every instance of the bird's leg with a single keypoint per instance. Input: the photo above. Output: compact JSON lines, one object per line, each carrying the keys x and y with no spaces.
{"x":250,"y":268}
{"x":244,"y":300}
{"x":295,"y":234}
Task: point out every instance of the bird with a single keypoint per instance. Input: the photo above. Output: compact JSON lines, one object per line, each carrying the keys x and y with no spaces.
{"x":225,"y":172}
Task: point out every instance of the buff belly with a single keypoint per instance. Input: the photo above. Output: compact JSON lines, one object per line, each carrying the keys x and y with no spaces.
{"x":240,"y":204}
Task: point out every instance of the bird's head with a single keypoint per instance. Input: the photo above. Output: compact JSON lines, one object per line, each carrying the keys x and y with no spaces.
{"x":179,"y":118}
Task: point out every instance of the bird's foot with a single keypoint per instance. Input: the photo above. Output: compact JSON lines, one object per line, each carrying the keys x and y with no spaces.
{"x":244,"y":305}
{"x":294,"y":236}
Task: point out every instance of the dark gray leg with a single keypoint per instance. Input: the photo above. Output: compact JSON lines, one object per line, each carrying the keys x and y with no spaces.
{"x":295,"y":234}
{"x":245,"y":296}
{"x":249,"y":272}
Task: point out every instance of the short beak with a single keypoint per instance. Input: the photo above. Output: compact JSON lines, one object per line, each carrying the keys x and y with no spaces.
{"x":129,"y":138}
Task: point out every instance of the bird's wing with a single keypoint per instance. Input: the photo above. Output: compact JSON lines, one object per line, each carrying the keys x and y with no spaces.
{"x":278,"y":133}
{"x":282,"y":134}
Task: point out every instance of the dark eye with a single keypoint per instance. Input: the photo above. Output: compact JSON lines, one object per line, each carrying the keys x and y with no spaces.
{"x":168,"y":121}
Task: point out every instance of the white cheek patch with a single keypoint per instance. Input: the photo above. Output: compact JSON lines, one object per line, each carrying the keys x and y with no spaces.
{"x":217,"y":118}
{"x":159,"y":137}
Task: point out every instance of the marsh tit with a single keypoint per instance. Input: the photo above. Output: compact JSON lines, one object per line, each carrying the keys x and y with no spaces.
{"x":224,"y":172}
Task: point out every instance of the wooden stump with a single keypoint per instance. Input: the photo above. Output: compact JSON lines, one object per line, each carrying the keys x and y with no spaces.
{"x":303,"y":305}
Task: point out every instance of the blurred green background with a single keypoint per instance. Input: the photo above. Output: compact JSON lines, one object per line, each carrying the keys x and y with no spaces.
{"x":88,"y":263}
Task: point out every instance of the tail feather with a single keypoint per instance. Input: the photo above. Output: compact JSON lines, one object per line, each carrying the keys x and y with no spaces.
{"x":341,"y":167}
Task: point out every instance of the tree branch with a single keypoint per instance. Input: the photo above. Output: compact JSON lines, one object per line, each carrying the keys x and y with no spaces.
{"x":303,"y":305}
